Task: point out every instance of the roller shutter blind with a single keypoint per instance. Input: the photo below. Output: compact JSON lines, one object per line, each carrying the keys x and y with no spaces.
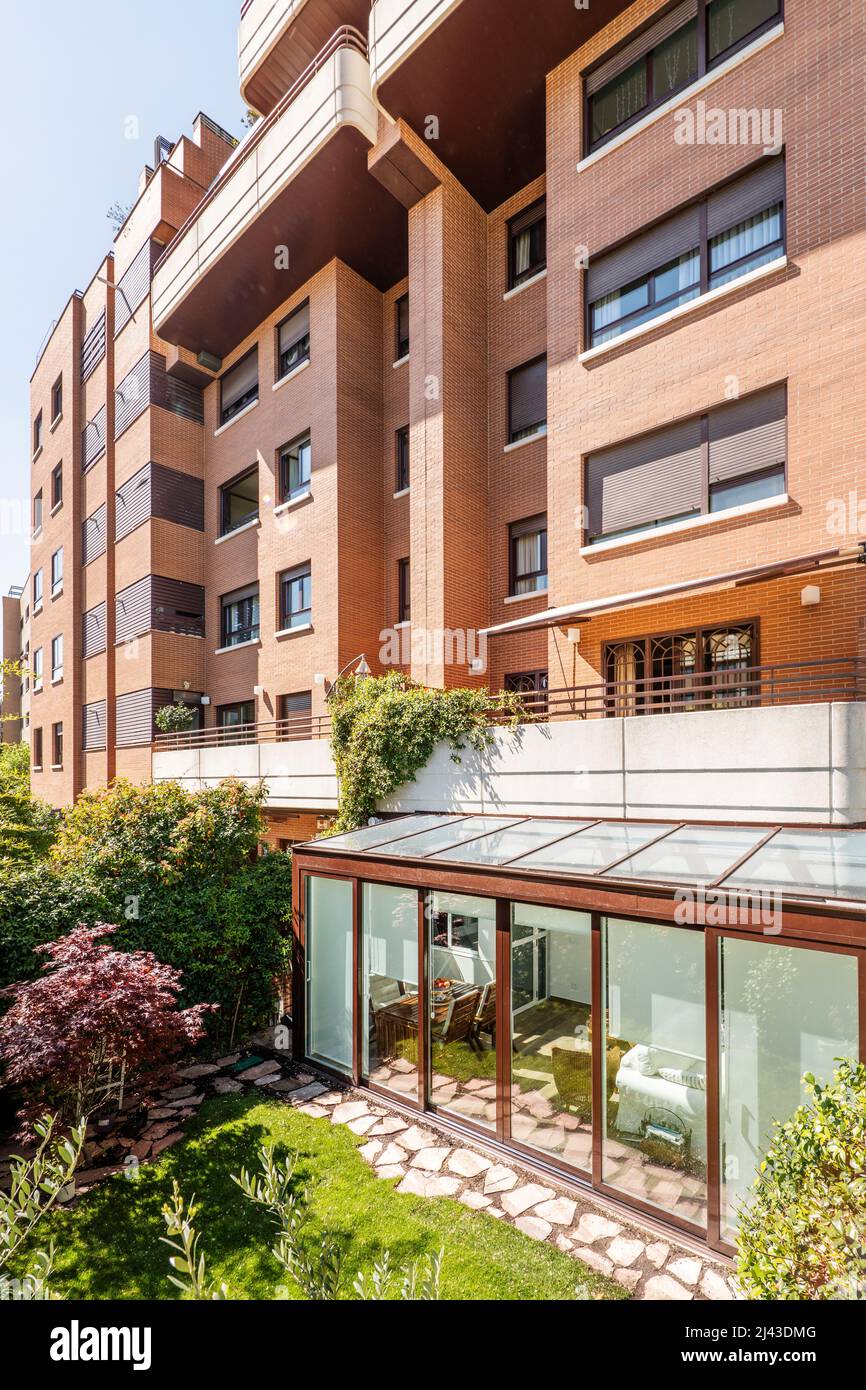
{"x":296,"y":327}
{"x":132,"y":395}
{"x":642,"y":43}
{"x":93,"y":440}
{"x":243,"y":377}
{"x":93,"y":536}
{"x":644,"y":253}
{"x":133,"y":610}
{"x":645,"y":480}
{"x":743,"y":197}
{"x":134,"y":285}
{"x":134,"y":716}
{"x":158,"y":603}
{"x":527,"y":396}
{"x":93,"y":631}
{"x":93,"y":347}
{"x":749,"y":435}
{"x":93,"y":727}
{"x":157,"y":491}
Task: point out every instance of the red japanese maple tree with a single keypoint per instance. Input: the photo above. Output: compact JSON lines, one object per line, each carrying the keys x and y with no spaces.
{"x":96,"y":1020}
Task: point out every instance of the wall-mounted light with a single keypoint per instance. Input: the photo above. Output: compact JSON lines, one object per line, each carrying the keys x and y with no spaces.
{"x":205,"y":699}
{"x":573,"y":636}
{"x":258,"y":690}
{"x":810,"y":596}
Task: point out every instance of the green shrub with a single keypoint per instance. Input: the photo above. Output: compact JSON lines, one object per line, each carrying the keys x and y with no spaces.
{"x":27,"y":826}
{"x":803,"y":1229}
{"x":174,"y":719}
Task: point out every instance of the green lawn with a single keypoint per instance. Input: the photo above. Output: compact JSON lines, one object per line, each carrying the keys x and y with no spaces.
{"x":108,"y":1243}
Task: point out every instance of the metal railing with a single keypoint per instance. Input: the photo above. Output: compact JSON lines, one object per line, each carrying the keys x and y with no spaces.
{"x":785,"y":683}
{"x":347,"y":36}
{"x":292,"y":729}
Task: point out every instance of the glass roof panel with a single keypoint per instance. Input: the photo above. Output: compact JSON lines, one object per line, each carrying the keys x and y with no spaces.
{"x":512,"y":842}
{"x":692,"y":854}
{"x":373,"y":835}
{"x":820,"y":863}
{"x":453,"y":833}
{"x":591,"y":850}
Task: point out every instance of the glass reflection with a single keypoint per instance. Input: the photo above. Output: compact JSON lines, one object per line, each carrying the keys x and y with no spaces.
{"x":462,"y":1006}
{"x":389,"y":955}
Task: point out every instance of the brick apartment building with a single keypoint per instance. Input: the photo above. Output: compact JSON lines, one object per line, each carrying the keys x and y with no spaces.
{"x":476,"y":355}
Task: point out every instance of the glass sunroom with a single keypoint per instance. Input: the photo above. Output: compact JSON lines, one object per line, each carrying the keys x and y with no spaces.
{"x":625,"y":1004}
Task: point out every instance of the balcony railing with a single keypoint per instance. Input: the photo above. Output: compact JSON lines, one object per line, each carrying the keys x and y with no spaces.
{"x":292,"y":729}
{"x":786,"y":683}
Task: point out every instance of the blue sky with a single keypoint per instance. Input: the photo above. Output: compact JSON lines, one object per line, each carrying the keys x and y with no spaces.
{"x":75,"y":70}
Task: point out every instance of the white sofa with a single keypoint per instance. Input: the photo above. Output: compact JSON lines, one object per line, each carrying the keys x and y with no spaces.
{"x":651,"y":1079}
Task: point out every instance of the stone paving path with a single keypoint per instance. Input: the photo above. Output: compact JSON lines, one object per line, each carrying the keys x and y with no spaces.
{"x":427,"y":1163}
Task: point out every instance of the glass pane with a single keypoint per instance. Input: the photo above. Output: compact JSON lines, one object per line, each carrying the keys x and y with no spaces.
{"x":503,"y":845}
{"x":373,"y":836}
{"x":451,"y":834}
{"x":329,"y":972}
{"x":785,"y":1010}
{"x":593,"y":849}
{"x":680,"y":275}
{"x":728,"y":21}
{"x":654,"y":1144}
{"x":390,"y":987}
{"x":551,"y":1064}
{"x":619,"y":100}
{"x":741,"y":493}
{"x":462,"y":1006}
{"x":816,"y":862}
{"x":675,"y":61}
{"x":694,"y":854}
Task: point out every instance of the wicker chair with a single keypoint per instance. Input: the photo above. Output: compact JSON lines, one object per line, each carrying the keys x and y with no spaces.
{"x":572,"y":1076}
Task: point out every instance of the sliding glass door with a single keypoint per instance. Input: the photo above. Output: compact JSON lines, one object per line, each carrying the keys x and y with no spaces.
{"x":462,"y":1006}
{"x":389,"y":987}
{"x":330,"y":993}
{"x":784,"y":1011}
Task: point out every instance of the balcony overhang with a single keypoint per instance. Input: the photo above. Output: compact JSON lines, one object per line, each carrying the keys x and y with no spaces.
{"x":480,"y":66}
{"x":278,"y":39}
{"x":299,"y":180}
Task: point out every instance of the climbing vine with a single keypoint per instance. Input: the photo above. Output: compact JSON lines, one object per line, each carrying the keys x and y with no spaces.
{"x":384,"y":730}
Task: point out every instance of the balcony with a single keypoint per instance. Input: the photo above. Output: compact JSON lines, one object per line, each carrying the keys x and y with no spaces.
{"x":482,"y":65}
{"x":298,"y":180}
{"x":278,"y":39}
{"x":782,"y":744}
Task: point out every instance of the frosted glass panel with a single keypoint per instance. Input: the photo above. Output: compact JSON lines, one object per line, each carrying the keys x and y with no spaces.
{"x":655,"y":1122}
{"x":816,"y":862}
{"x":390,"y":987}
{"x":504,"y":845}
{"x":785,"y":1010}
{"x":329,"y":972}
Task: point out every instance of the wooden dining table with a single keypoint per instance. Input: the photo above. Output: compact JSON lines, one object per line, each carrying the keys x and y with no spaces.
{"x":398,"y":1021}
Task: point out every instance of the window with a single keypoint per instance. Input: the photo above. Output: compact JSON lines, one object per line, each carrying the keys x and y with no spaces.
{"x":240,"y":616}
{"x":237,"y":722}
{"x":57,"y":657}
{"x":731,"y":456}
{"x":532,"y":686}
{"x":732,"y":231}
{"x":37,"y":590}
{"x":37,"y":750}
{"x":293,"y":340}
{"x":527,"y":244}
{"x":528,"y":558}
{"x":705,"y":668}
{"x":56,"y":486}
{"x":37,"y":433}
{"x":57,"y":745}
{"x":57,"y":572}
{"x":37,"y":512}
{"x":239,"y":386}
{"x":665,"y":57}
{"x":453,"y":931}
{"x":402,"y":438}
{"x":296,"y":463}
{"x":57,"y":400}
{"x":37,"y":669}
{"x":239,"y":501}
{"x":296,"y":597}
{"x":404,"y":591}
{"x":527,"y":400}
{"x":401,"y":318}
{"x":296,"y":715}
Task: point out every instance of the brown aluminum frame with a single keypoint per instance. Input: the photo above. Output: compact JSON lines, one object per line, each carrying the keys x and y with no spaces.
{"x":802,"y":925}
{"x":654,"y":685}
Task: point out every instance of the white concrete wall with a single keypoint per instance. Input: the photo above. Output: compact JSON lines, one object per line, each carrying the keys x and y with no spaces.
{"x":793,"y":763}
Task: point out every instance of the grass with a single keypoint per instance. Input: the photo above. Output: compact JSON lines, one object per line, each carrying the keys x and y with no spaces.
{"x":108,"y":1243}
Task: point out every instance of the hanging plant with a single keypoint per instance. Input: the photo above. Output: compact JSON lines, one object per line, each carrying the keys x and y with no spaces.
{"x":384,"y":730}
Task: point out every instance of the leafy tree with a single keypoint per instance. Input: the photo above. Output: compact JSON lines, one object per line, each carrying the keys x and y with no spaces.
{"x":385,"y":728}
{"x":96,"y":1020}
{"x":27,"y":826}
{"x":802,"y":1230}
{"x":174,"y":719}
